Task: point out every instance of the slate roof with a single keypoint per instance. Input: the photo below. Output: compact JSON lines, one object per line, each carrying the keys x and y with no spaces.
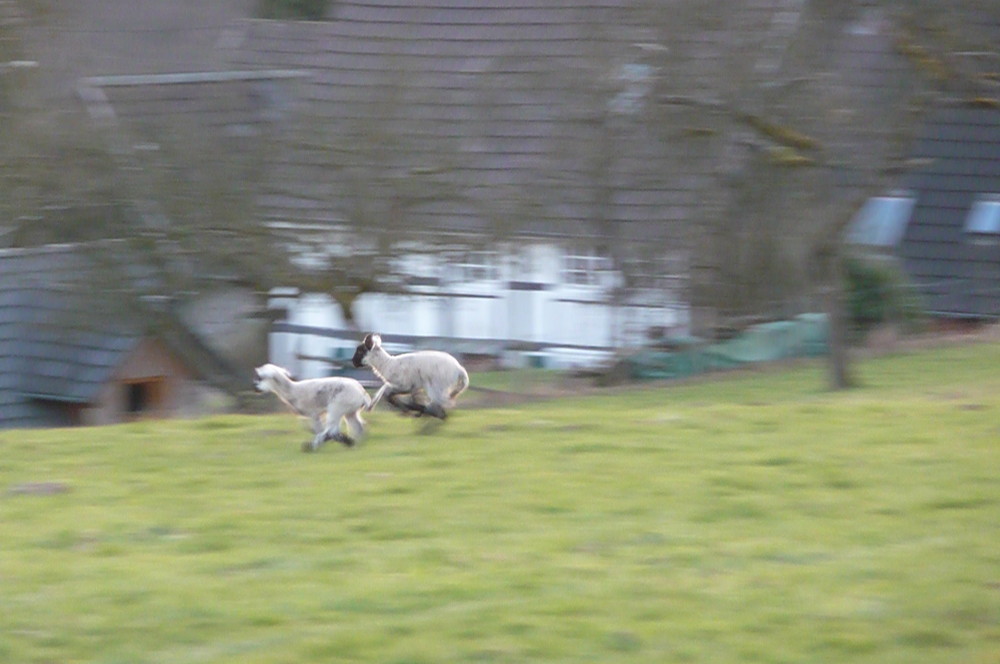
{"x":459,"y":116}
{"x":958,"y":273}
{"x":481,"y":113}
{"x":957,"y":153}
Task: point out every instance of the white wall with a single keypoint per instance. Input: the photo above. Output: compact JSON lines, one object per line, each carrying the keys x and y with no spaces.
{"x":542,"y":310}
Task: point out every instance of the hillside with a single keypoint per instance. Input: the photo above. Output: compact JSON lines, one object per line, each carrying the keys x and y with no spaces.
{"x":751,"y":518}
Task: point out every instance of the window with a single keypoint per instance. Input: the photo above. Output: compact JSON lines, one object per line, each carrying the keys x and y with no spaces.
{"x":477,"y":266}
{"x":984,"y":217}
{"x":635,"y":80}
{"x":584,"y":268}
{"x":660,"y":273}
{"x":881,"y":221}
{"x":520,"y":265}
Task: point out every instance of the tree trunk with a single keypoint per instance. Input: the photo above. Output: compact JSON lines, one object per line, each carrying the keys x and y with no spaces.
{"x":836,"y":310}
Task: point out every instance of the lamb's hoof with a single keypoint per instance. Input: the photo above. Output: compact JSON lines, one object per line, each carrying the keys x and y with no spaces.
{"x":437,"y":411}
{"x":308,"y":446}
{"x":345,"y":441}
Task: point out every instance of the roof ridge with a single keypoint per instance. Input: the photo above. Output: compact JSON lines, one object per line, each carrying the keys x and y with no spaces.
{"x":193,"y":77}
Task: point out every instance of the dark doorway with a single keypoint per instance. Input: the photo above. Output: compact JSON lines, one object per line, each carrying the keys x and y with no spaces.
{"x":143,"y":397}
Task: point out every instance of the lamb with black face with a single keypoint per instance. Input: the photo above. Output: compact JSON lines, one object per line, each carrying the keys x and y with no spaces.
{"x":361,"y":352}
{"x":423,"y":382}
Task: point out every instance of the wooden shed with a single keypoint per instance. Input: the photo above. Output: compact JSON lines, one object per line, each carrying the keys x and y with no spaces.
{"x":78,"y":348}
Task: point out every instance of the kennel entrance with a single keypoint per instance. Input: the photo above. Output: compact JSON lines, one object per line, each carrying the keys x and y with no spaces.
{"x":144,"y":397}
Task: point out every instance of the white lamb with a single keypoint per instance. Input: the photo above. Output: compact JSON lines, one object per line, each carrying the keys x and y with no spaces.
{"x":325,"y":402}
{"x":431,"y":379}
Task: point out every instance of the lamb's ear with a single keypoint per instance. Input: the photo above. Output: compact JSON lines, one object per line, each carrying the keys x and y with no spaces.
{"x":372,"y":341}
{"x":288,"y":374}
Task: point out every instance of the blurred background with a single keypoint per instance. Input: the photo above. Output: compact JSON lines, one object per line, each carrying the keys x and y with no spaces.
{"x":189,"y":189}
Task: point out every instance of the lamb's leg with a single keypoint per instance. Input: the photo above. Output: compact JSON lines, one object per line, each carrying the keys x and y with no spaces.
{"x":322,"y":437}
{"x":378,"y":396}
{"x":316,"y":424}
{"x":331,"y":431}
{"x":355,"y":425}
{"x":434,"y":402}
{"x":408,"y":405}
{"x":424,"y":404}
{"x":333,"y":419}
{"x":314,"y":444}
{"x":435,"y":409}
{"x":342,"y":438}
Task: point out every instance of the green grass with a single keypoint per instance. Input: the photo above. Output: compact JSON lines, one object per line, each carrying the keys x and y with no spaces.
{"x":750,"y":518}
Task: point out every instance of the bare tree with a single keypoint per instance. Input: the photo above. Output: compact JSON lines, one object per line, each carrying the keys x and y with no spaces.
{"x":365,"y":187}
{"x":56,"y":179}
{"x":815,"y":115}
{"x":611,"y":162}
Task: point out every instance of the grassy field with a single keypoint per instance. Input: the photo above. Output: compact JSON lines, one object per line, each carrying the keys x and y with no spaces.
{"x":749,"y":518}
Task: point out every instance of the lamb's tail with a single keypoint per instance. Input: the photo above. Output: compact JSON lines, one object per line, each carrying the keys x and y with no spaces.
{"x":460,"y":385}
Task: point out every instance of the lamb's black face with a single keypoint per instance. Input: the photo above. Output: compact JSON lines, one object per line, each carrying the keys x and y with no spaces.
{"x":359,"y":356}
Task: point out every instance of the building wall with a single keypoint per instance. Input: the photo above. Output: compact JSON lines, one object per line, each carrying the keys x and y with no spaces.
{"x":150,"y":382}
{"x":224,"y":319}
{"x":533,"y":310}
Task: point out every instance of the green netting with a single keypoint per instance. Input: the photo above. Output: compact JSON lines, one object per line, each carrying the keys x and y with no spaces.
{"x":804,"y":336}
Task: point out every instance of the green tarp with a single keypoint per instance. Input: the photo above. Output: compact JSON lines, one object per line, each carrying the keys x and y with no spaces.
{"x":804,"y":336}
